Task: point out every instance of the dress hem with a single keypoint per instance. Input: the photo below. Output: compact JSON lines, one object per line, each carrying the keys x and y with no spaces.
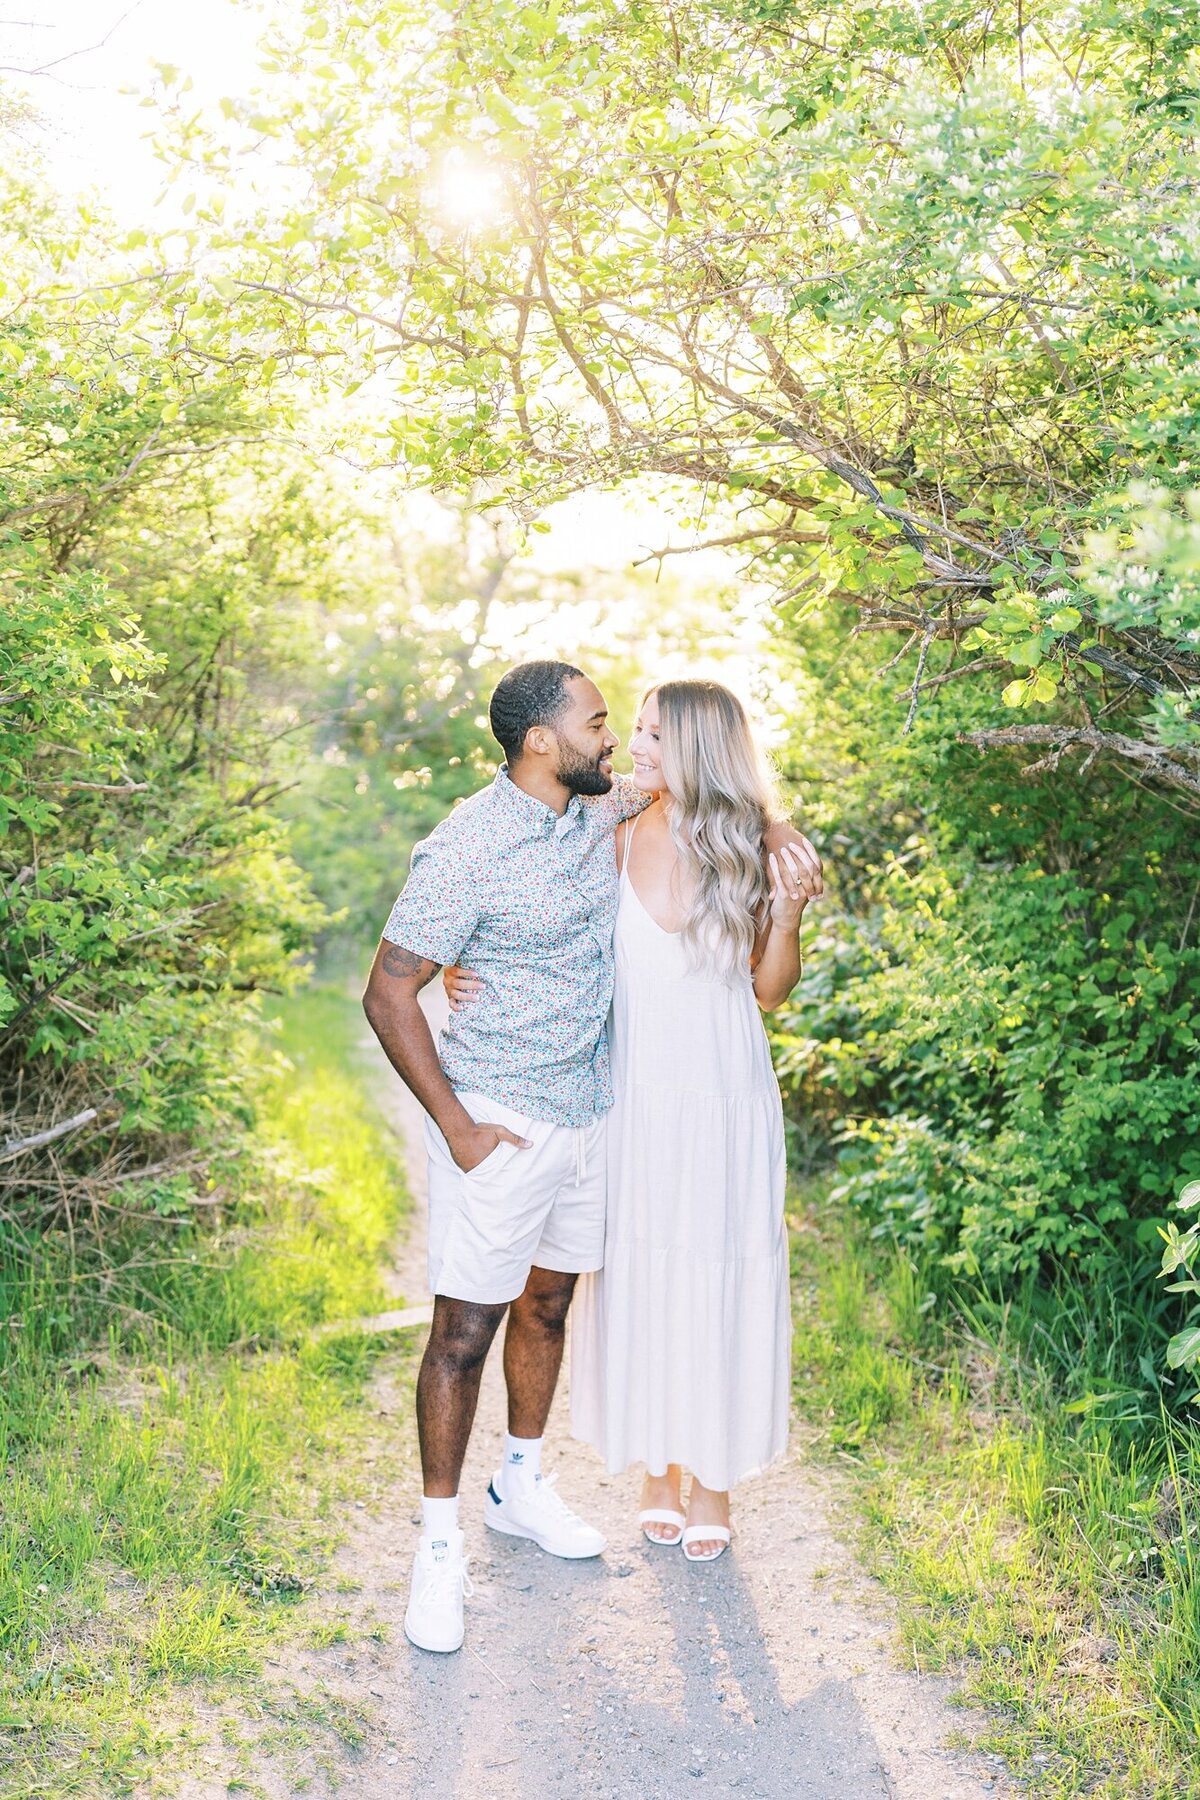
{"x":616,"y":1467}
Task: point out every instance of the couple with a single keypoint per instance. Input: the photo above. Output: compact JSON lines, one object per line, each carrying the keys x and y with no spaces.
{"x":674,"y":898}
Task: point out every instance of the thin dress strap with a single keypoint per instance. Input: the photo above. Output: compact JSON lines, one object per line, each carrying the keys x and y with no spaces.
{"x":632,"y":824}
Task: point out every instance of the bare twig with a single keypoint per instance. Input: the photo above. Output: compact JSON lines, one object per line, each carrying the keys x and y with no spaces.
{"x":945,"y":628}
{"x":1153,"y":761}
{"x":490,"y":1670}
{"x":69,"y":55}
{"x":781,"y":535}
{"x":18,"y":1146}
{"x":105,"y":787}
{"x":901,"y":653}
{"x":916,"y":686}
{"x":977,"y":667}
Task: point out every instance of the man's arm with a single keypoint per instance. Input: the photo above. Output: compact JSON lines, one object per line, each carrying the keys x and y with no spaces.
{"x":394,"y":1014}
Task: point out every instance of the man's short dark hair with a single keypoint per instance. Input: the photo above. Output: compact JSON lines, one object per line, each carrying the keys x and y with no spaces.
{"x":534,"y":693}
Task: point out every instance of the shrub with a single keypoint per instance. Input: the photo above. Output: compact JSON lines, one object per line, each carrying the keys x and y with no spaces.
{"x":1001,"y":1024}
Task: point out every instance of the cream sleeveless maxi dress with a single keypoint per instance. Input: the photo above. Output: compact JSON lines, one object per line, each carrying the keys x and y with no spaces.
{"x":681,"y":1344}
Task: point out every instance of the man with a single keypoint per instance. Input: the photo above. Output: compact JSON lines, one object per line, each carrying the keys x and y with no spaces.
{"x":519,"y":883}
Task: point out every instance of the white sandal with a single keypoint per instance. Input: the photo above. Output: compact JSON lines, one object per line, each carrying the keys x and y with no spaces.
{"x":699,"y":1534}
{"x":661,"y":1515}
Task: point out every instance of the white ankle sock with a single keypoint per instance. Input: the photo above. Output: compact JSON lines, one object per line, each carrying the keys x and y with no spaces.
{"x":439,"y":1518}
{"x":522,"y":1461}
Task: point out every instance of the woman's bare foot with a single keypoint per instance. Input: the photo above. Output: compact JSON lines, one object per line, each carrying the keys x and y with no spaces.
{"x":706,"y":1506}
{"x":663,"y":1493}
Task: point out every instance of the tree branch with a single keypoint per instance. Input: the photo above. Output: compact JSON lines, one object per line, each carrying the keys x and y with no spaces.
{"x":1154,"y":761}
{"x":18,"y":1146}
{"x":103,"y":787}
{"x":783,"y":535}
{"x":68,"y":55}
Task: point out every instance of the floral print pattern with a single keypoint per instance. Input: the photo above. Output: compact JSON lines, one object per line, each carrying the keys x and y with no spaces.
{"x":527,"y":899}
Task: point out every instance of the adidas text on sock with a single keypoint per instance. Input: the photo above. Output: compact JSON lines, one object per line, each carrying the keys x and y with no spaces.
{"x":522,"y":1460}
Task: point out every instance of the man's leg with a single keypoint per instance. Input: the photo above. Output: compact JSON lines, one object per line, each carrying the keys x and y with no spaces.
{"x":448,"y":1388}
{"x":518,"y":1501}
{"x":533,"y":1349}
{"x":447,"y":1393}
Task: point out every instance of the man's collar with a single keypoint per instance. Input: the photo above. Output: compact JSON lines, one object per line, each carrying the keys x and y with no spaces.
{"x":560,"y":823}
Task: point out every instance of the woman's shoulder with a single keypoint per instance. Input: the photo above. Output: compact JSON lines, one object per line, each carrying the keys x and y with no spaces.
{"x":655,"y":843}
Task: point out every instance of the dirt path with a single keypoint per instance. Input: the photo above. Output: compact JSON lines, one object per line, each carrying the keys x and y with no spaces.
{"x":770,"y":1673}
{"x":633,"y":1676}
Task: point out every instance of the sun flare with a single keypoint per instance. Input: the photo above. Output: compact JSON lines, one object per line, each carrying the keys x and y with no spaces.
{"x":469,"y":193}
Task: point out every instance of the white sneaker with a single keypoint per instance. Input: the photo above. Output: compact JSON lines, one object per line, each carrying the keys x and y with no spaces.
{"x":537,"y":1512}
{"x":440,"y":1582}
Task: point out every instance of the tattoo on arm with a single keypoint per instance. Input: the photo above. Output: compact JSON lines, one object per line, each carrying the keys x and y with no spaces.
{"x":405,"y":964}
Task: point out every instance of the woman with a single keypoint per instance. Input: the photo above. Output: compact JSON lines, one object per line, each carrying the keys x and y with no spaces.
{"x":681,"y":1343}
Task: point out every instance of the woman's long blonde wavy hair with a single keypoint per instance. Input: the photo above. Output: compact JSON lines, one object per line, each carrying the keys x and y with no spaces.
{"x":723,"y":799}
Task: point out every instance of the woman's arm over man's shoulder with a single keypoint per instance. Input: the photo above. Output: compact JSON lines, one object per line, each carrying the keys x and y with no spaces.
{"x":624,"y":800}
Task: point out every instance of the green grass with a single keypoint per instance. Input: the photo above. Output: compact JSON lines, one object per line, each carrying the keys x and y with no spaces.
{"x":323,"y":1137}
{"x":171,"y":1485}
{"x":1033,"y":1514}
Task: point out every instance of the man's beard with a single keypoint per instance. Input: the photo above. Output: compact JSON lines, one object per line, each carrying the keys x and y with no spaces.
{"x":579,"y":776}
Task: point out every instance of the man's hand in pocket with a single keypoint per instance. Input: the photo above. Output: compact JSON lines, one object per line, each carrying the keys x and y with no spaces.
{"x":470,"y":1147}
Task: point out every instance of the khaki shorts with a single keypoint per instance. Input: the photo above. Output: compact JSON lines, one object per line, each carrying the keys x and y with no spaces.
{"x":519,"y":1209}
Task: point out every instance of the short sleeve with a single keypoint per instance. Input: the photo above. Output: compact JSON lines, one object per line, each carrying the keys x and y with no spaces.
{"x":624,"y":800}
{"x":437,"y":909}
{"x":630,"y":798}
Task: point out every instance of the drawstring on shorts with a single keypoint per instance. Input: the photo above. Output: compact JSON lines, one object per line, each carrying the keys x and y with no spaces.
{"x":580,"y":1155}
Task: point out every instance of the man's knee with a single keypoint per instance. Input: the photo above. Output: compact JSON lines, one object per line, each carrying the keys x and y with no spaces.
{"x":545,"y":1303}
{"x":462,"y":1335}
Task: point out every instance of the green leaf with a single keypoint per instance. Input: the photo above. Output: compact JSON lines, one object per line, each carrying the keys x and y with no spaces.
{"x":1027,"y":655}
{"x":1183,"y":1351}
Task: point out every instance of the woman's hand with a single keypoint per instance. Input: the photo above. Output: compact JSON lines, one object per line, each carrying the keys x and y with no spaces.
{"x":462,"y":987}
{"x":795,"y":879}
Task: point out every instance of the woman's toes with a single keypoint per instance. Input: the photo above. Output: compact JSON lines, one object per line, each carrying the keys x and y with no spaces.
{"x":661,"y":1494}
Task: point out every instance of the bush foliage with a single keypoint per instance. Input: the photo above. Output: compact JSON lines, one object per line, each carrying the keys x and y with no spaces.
{"x":146,"y":892}
{"x":1003,"y":1014}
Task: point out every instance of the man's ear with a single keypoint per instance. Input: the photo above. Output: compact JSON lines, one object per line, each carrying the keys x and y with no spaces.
{"x":539,"y":741}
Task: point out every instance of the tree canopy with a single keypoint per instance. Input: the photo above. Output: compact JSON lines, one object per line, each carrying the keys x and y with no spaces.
{"x":906,"y":295}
